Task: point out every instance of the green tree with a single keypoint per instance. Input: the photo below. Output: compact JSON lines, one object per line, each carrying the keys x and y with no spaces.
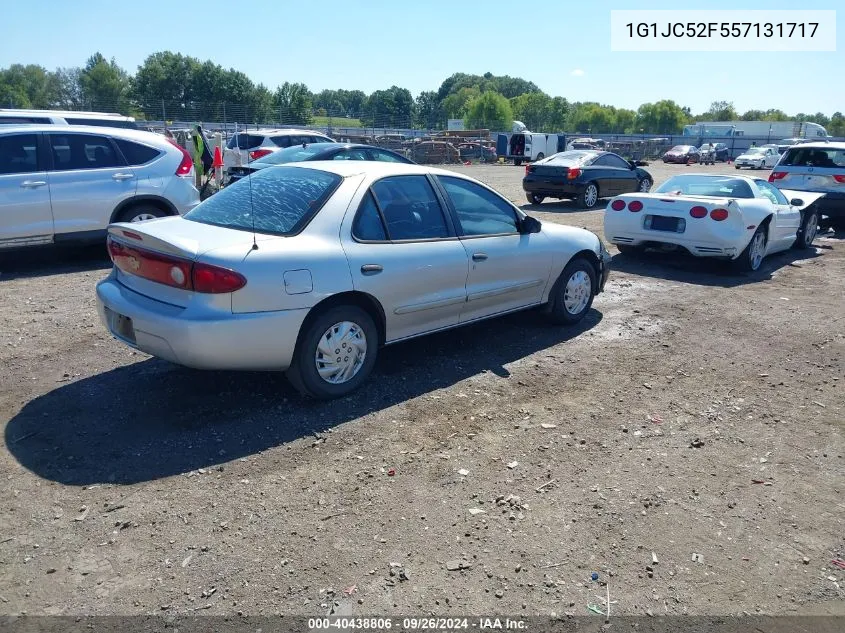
{"x":456,"y":105}
{"x":558,"y":112}
{"x":662,"y":117}
{"x":837,"y":125}
{"x":591,"y":118}
{"x":427,"y":111}
{"x":163,"y":86}
{"x":753,"y":115}
{"x":491,"y":111}
{"x":534,"y":109}
{"x":29,"y":86}
{"x":293,"y":102}
{"x":68,"y":88}
{"x":721,"y":111}
{"x":625,"y":120}
{"x":389,"y":108}
{"x":104,"y":85}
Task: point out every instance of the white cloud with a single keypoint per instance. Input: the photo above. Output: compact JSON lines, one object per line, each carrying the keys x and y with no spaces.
{"x":577,"y":73}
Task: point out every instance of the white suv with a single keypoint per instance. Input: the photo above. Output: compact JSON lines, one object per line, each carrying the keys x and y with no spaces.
{"x":67,"y":183}
{"x":818,"y":167}
{"x":245,"y":147}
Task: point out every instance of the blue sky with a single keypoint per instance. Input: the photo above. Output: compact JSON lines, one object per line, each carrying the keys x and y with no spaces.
{"x":563,"y":46}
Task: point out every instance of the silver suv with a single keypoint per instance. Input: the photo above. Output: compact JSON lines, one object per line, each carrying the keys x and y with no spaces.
{"x":818,"y":167}
{"x":245,"y":147}
{"x":67,"y":183}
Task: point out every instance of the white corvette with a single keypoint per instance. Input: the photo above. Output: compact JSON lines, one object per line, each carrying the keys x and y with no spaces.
{"x":739,"y":218}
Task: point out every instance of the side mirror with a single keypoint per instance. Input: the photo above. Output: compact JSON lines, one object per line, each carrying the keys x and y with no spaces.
{"x":530,"y":225}
{"x":632,"y":164}
{"x":796,"y":202}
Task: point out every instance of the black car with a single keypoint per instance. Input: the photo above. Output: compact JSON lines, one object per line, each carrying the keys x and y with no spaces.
{"x":318,"y":151}
{"x":585,"y":175}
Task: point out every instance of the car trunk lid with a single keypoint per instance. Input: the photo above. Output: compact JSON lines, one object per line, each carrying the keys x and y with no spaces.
{"x":145,"y":253}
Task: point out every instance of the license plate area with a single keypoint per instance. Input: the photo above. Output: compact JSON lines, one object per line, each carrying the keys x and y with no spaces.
{"x":121,"y":326}
{"x":665,"y":223}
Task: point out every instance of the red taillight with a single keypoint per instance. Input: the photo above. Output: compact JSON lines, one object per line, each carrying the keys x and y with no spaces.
{"x":635,"y":206}
{"x":776,"y":175}
{"x":215,"y":280}
{"x":259,"y":153}
{"x":617,"y":205}
{"x":719,"y":214}
{"x":186,"y":167}
{"x":839,"y":178}
{"x":163,"y":269}
{"x":527,"y":169}
{"x":698,"y":212}
{"x":173,"y":271}
{"x":573,"y":173}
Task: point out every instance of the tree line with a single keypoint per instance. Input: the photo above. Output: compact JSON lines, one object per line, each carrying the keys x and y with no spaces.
{"x":172,"y":86}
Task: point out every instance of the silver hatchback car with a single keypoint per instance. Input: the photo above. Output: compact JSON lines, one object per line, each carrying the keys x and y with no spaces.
{"x":66,"y":183}
{"x":310,"y":267}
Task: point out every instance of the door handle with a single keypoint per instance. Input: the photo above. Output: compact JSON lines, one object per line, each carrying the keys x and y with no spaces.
{"x":122,"y":176}
{"x":371,"y":269}
{"x":479,"y":257}
{"x":32,"y":184}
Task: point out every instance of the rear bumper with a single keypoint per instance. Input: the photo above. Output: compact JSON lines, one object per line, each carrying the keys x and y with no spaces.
{"x":199,"y":338}
{"x":697,"y":240}
{"x":551,"y":187}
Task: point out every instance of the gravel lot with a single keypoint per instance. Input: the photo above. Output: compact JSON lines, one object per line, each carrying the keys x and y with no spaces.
{"x":696,"y":417}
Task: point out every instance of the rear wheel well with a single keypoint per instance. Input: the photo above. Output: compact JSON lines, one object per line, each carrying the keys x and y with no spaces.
{"x":366,"y":302}
{"x":158,"y":203}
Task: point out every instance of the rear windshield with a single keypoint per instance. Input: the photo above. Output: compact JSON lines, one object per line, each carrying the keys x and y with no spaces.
{"x":681,"y":148}
{"x":280,"y":201}
{"x":715,"y":186}
{"x":119,"y":123}
{"x":802,"y":156}
{"x":295,"y":154}
{"x":565,"y":159}
{"x":245,"y":141}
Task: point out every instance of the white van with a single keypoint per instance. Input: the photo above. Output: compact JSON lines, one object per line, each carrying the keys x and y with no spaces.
{"x":65,"y":117}
{"x":526,"y":146}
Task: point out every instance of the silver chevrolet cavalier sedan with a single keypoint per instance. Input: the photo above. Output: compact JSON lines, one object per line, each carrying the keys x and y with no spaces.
{"x":311,"y":267}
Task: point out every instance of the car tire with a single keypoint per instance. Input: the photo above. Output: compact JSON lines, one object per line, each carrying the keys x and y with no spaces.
{"x":304,"y":372}
{"x":589,"y":196}
{"x":540,"y":156}
{"x":644,"y":185}
{"x":573,"y":292}
{"x":533,"y":198}
{"x":751,"y":257}
{"x":808,"y":230}
{"x":517,"y":162}
{"x":737,"y":166}
{"x":141,"y":212}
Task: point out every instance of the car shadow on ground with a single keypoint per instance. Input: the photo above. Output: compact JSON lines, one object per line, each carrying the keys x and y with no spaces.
{"x":702,"y":271}
{"x":153,"y":419}
{"x":562,"y":206}
{"x":52,"y":260}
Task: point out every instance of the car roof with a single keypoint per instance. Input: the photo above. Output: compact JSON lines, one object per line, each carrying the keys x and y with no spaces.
{"x":731,"y":176}
{"x":375,"y":169}
{"x":126,"y":133}
{"x":822,"y":145}
{"x":278,"y":131}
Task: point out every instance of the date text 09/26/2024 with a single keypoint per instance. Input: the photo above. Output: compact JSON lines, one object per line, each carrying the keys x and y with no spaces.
{"x":416,"y":624}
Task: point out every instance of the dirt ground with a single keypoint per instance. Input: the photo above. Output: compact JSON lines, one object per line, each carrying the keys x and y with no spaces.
{"x":685,"y":443}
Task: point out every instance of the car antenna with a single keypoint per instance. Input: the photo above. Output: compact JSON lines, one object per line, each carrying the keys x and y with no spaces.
{"x":252,"y":213}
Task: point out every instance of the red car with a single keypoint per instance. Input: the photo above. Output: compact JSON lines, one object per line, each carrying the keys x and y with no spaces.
{"x":681,"y":154}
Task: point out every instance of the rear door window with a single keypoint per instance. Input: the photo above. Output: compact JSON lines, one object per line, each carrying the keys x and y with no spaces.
{"x":18,"y":154}
{"x":83,"y":151}
{"x":135,"y":153}
{"x":245,"y":141}
{"x":281,"y":201}
{"x":410,"y":207}
{"x":830,"y":158}
{"x":368,"y":225}
{"x":281,"y":141}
